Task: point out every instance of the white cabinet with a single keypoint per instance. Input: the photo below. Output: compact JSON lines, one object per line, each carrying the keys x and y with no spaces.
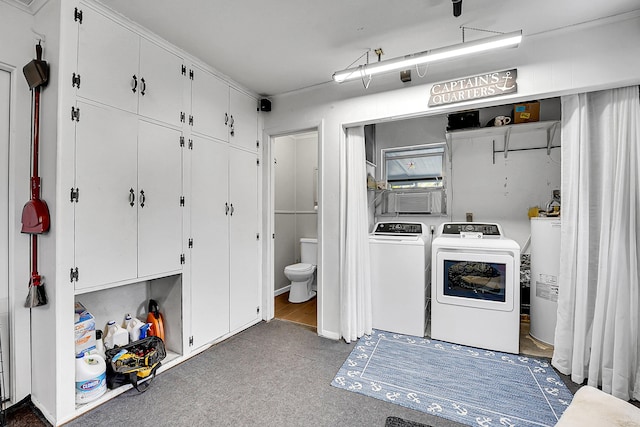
{"x":223,"y":112}
{"x":225,"y":229}
{"x":127,"y":214}
{"x":118,"y":67}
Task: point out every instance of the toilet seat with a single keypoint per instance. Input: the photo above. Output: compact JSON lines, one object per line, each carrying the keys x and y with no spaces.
{"x":300,"y":268}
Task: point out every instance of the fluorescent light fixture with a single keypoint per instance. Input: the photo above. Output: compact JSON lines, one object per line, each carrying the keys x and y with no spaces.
{"x":403,"y":63}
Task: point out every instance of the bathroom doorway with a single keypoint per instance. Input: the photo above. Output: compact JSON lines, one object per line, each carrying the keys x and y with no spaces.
{"x":295,"y":217}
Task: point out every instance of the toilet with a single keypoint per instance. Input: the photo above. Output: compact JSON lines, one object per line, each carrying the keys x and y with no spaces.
{"x":302,"y":275}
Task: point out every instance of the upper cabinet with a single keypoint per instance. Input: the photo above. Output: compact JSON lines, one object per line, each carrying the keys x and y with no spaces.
{"x":119,"y":68}
{"x":221,"y":111}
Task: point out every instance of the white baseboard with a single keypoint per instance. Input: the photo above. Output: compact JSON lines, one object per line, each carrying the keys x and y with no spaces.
{"x":281,"y":290}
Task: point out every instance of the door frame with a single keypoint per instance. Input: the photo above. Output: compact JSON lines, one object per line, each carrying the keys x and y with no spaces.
{"x":268,"y":195}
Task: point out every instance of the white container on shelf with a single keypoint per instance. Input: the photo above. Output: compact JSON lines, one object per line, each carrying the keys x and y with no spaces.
{"x":545,"y":267}
{"x":115,"y":336}
{"x":132,"y":325}
{"x":91,"y":380}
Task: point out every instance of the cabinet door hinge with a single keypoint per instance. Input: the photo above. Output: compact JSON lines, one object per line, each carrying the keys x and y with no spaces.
{"x":184,"y":70}
{"x":191,"y":74}
{"x":190,"y":243}
{"x":257,"y":162}
{"x":190,"y":341}
{"x":258,"y":310}
{"x":190,"y":144}
{"x":75,"y":80}
{"x":257,"y":236}
{"x":182,"y":117}
{"x":190,"y":120}
{"x":77,"y":15}
{"x":181,"y":200}
{"x":182,"y":258}
{"x":75,"y":194}
{"x":257,"y":143}
{"x":182,"y":141}
{"x":75,"y":114}
{"x":73,"y":274}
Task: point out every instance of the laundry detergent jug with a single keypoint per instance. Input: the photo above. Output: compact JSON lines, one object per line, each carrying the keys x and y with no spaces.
{"x":91,"y":379}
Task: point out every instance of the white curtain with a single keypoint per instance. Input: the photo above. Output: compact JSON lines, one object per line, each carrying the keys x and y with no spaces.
{"x":355,"y":277}
{"x":597,"y":328}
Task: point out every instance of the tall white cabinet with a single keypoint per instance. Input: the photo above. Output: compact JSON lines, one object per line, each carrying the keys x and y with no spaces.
{"x":157,"y":194}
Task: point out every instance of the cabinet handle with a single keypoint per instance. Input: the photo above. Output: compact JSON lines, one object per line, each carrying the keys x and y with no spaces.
{"x":144,"y":86}
{"x":226,"y":208}
{"x":231,"y":214}
{"x":226,"y":119}
{"x":132,"y":197}
{"x":232,"y":127}
{"x":142,"y":198}
{"x":135,"y":83}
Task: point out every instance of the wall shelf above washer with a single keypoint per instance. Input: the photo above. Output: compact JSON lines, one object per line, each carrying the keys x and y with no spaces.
{"x":505,"y":132}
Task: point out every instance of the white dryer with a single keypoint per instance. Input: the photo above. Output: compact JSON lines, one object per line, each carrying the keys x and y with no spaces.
{"x":400,"y":277}
{"x":476,"y":287}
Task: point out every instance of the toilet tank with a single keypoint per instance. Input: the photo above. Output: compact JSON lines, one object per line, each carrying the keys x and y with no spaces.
{"x":309,"y":250}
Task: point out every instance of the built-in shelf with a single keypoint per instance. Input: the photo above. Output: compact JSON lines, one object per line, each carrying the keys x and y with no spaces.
{"x":505,"y":132}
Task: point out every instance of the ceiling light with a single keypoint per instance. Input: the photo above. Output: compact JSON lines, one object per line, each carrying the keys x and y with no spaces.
{"x":441,"y":54}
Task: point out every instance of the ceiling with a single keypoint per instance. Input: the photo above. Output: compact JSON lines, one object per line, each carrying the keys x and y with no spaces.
{"x":277,"y":46}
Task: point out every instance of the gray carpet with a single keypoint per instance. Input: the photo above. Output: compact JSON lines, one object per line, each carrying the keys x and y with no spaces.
{"x":272,"y":374}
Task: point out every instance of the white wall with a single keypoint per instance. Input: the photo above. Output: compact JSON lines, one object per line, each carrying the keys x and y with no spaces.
{"x":295,"y":217}
{"x":500,"y":192}
{"x":594,"y":56}
{"x":16,"y":50}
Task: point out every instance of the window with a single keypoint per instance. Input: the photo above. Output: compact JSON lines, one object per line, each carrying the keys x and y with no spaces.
{"x":415,"y":180}
{"x":414,"y":167}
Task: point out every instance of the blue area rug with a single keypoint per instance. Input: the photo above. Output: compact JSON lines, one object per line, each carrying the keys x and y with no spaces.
{"x":464,"y":384}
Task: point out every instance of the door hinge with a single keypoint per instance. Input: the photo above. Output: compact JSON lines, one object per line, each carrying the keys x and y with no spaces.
{"x":77,"y":15}
{"x":257,"y":143}
{"x":184,"y":70}
{"x":190,"y":341}
{"x":190,"y":243}
{"x":190,"y":120}
{"x":191,"y":74}
{"x":182,"y":117}
{"x":258,"y":310}
{"x":75,"y":80}
{"x":182,"y":258}
{"x":273,"y":236}
{"x":190,"y":144}
{"x":257,"y":162}
{"x":257,"y":236}
{"x":181,"y":200}
{"x":75,"y":114}
{"x":182,"y":141}
{"x":75,"y":195}
{"x":73,"y":274}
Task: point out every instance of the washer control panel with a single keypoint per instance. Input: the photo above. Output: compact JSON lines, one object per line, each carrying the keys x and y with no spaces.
{"x":399,"y":228}
{"x":471,"y":227}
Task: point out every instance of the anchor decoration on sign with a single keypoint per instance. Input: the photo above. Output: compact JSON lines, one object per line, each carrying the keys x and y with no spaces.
{"x":506,"y":83}
{"x":484,"y":421}
{"x":375,"y":386}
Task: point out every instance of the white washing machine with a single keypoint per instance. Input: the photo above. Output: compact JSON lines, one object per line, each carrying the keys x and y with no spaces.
{"x":476,"y":287}
{"x":400,"y":277}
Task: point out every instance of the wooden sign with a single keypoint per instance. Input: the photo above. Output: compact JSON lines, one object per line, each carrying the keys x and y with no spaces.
{"x":476,"y":87}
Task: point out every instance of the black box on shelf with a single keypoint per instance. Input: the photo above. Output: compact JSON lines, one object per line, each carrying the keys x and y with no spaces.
{"x":463,"y":120}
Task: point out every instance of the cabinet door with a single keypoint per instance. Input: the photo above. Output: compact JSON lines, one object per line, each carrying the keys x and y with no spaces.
{"x":161,"y":84}
{"x":243,"y":241}
{"x":105,"y":222}
{"x":209,"y":105}
{"x":209,"y":230}
{"x":158,"y":199}
{"x":107,"y":61}
{"x":245,"y":119}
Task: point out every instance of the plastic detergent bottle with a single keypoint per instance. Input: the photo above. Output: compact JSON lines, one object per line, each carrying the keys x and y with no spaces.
{"x":132,"y":325}
{"x":116,"y":336}
{"x":91,"y":379}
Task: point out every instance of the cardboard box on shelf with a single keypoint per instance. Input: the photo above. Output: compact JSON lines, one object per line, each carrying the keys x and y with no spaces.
{"x":526,"y":112}
{"x":84,"y":330}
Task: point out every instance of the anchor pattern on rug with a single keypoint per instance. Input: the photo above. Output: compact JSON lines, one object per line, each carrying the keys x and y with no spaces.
{"x":353,"y":376}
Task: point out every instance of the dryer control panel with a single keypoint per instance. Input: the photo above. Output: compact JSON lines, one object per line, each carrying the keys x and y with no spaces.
{"x":471,"y":227}
{"x":404,"y":228}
